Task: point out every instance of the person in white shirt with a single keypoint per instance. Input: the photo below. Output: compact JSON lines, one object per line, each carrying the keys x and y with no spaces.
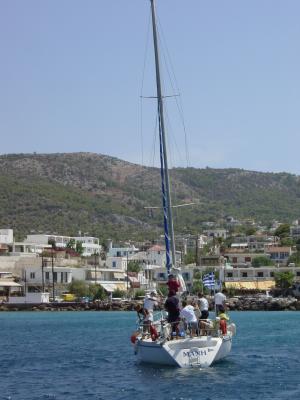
{"x":189,"y":316}
{"x":203,"y":306}
{"x":149,"y":302}
{"x":220,"y":299}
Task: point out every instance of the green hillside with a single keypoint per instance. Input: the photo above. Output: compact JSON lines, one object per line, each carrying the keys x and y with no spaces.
{"x":104,"y":196}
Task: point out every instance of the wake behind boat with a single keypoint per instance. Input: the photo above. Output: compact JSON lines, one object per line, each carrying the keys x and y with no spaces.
{"x":161,"y":342}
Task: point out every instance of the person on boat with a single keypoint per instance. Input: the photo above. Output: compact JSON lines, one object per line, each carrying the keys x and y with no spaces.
{"x":150,"y":302}
{"x":172,"y":307}
{"x":141,"y":312}
{"x":189,"y":316}
{"x":220,"y":299}
{"x":222,"y":314}
{"x":223,"y":318}
{"x":173,"y":283}
{"x":203,"y":306}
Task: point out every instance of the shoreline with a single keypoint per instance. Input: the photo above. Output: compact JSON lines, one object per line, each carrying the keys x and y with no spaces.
{"x":233,"y":304}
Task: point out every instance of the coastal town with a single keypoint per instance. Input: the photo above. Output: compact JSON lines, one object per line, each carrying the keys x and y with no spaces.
{"x":247,"y":259}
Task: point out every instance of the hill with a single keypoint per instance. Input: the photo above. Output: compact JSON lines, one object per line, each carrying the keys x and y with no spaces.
{"x":105,"y":196}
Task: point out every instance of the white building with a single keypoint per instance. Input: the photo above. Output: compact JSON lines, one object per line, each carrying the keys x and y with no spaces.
{"x":114,"y":262}
{"x":6,"y":236}
{"x":121,"y":251}
{"x":33,"y":276}
{"x":216,"y":233}
{"x":90,"y":244}
{"x":156,"y":255}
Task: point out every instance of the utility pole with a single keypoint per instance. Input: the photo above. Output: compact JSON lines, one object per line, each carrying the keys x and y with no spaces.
{"x":197,"y":249}
{"x":127,"y":272}
{"x":95,"y":265}
{"x":43,"y":281}
{"x":52,"y":267}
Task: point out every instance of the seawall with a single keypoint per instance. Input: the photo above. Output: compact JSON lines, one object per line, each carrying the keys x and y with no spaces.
{"x":243,"y":303}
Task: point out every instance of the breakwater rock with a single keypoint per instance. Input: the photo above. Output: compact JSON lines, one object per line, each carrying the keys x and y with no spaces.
{"x":242,"y":303}
{"x":263,"y":303}
{"x":123,"y":305}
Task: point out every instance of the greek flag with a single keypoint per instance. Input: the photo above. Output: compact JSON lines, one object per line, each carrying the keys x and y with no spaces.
{"x":209,"y":280}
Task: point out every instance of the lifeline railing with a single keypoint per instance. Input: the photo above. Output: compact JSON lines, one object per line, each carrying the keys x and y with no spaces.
{"x":178,"y":329}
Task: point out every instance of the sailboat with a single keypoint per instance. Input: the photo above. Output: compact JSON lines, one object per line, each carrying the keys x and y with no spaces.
{"x":183,"y":351}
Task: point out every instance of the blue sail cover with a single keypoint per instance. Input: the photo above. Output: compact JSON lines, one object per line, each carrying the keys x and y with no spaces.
{"x":164,"y":199}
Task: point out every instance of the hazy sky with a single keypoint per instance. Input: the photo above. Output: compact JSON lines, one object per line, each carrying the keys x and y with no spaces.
{"x":71,"y":78}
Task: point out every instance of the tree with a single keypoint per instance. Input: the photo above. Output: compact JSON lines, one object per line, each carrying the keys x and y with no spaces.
{"x":79,"y":247}
{"x":261,"y":261}
{"x":119,"y":293}
{"x":52,"y":242}
{"x":294,"y":258}
{"x":189,"y":258}
{"x":163,"y":289}
{"x":284,"y":279}
{"x":96,"y":292}
{"x":139,"y":293}
{"x":282,"y":231}
{"x":197,"y":275}
{"x":250,"y":231}
{"x":133,"y":266}
{"x":286,"y":241}
{"x":71,"y":244}
{"x":197,"y":286}
{"x":79,"y":288}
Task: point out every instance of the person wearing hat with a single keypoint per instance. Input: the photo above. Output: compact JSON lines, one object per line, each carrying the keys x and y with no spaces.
{"x":222,"y":314}
{"x":150,"y":302}
{"x":223,"y":318}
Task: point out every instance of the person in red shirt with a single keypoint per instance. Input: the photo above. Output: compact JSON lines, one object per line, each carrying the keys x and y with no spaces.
{"x":173,"y":284}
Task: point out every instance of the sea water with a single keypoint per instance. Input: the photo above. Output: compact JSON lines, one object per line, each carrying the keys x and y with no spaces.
{"x":88,"y":355}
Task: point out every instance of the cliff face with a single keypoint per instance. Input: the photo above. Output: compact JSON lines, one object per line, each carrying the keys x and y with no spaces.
{"x":106,"y":196}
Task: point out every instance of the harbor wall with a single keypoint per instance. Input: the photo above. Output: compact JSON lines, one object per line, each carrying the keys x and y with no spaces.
{"x":233,"y":304}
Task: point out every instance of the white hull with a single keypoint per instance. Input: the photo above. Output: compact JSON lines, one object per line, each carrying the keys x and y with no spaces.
{"x":187,"y":352}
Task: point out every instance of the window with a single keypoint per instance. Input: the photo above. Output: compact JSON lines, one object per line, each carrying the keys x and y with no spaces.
{"x":247,"y":259}
{"x":229,"y":274}
{"x":114,"y":264}
{"x":260,"y":274}
{"x":298,"y":273}
{"x":272,"y":274}
{"x":61,"y":277}
{"x":234,"y":259}
{"x":161,"y":275}
{"x":32,"y":275}
{"x":47,"y":275}
{"x":66,"y":276}
{"x":54,"y":276}
{"x":118,"y":254}
{"x":245,"y":274}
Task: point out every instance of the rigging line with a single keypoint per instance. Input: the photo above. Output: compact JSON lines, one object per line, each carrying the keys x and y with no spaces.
{"x":169,"y":132}
{"x":142,"y":84}
{"x":154,"y":141}
{"x":172,"y":136}
{"x":175,"y":86}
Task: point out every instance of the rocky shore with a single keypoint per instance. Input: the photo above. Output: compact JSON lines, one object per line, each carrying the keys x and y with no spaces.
{"x":243,"y":303}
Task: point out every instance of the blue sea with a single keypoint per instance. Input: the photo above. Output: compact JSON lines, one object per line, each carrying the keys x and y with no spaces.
{"x":88,"y":355}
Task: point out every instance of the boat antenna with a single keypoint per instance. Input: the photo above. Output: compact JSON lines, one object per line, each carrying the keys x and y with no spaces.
{"x":165,"y":183}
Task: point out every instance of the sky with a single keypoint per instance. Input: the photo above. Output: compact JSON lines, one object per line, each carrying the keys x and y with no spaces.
{"x":72,"y":74}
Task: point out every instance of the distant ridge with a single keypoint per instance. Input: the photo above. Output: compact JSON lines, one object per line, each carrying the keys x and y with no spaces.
{"x":105,"y":196}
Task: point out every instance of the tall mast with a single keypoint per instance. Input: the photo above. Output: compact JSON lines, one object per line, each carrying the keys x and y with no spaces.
{"x":167,"y":206}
